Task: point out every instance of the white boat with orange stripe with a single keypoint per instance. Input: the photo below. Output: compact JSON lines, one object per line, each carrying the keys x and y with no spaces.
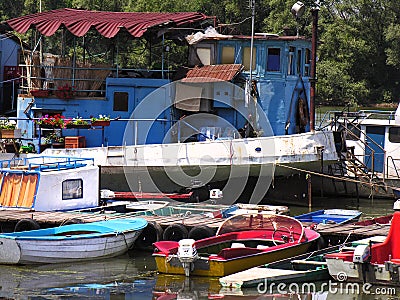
{"x":48,"y":183}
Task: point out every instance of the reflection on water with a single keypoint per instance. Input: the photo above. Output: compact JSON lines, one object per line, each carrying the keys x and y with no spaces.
{"x":133,"y":276}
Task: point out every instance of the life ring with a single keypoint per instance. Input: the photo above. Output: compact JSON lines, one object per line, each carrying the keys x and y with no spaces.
{"x":150,"y":234}
{"x":175,"y":232}
{"x":303,"y":112}
{"x":200,"y":232}
{"x":26,"y":225}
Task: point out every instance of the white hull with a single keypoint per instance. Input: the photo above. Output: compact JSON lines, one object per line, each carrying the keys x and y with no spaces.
{"x":28,"y":251}
{"x":347,"y":271}
{"x":178,"y":164}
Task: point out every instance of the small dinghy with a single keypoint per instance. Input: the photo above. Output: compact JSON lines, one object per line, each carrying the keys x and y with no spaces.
{"x":329,"y":216}
{"x":241,"y":242}
{"x":76,"y":242}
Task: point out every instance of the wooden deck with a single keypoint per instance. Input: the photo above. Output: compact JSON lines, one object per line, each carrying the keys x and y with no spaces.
{"x":48,"y":219}
{"x":335,"y":233}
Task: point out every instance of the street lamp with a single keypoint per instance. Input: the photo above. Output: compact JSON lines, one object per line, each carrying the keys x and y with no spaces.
{"x":298,"y":10}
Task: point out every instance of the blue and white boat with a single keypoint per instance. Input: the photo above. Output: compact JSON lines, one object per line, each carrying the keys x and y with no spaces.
{"x":235,"y":113}
{"x":330,"y":216}
{"x":75,"y":242}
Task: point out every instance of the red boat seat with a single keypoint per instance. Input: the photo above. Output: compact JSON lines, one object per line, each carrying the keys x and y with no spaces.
{"x":396,"y":261}
{"x":391,"y":246}
{"x":228,"y":253}
{"x":345,"y":256}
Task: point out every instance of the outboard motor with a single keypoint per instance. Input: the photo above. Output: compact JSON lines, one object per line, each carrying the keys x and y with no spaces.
{"x":361,"y":254}
{"x":187,"y":254}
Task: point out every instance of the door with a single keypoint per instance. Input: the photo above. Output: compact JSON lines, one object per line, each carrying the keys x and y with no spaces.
{"x":376,"y":142}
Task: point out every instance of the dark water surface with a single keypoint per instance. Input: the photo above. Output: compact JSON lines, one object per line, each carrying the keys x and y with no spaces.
{"x":134,"y":276}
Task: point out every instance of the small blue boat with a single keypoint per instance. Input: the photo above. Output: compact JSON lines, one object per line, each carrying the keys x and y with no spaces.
{"x":330,"y":216}
{"x":76,"y":242}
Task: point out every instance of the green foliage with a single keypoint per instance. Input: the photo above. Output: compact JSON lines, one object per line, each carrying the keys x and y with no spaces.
{"x":358,"y":50}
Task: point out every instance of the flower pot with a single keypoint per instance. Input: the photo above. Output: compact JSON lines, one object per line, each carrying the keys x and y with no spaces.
{"x":40,"y":93}
{"x":12,"y":147}
{"x":57,"y":145}
{"x":78,"y":126}
{"x":101,"y":123}
{"x":10,"y":133}
{"x":48,"y":126}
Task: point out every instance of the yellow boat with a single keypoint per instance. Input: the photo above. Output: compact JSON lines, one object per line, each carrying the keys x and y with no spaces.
{"x":241,"y":242}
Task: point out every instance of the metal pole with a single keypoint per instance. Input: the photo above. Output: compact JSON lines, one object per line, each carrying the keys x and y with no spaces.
{"x":313,"y":77}
{"x":252,"y":6}
{"x":309,"y":192}
{"x":162,"y":57}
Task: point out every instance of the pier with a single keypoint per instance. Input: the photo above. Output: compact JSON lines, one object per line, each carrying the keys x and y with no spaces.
{"x":334,"y":234}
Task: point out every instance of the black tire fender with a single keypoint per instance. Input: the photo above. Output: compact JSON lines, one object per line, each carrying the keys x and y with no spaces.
{"x":175,"y":232}
{"x":26,"y":225}
{"x":201,"y":232}
{"x":150,"y":234}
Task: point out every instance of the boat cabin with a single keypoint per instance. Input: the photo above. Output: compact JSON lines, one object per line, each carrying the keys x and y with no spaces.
{"x":48,"y":183}
{"x":229,"y":96}
{"x":374,"y":137}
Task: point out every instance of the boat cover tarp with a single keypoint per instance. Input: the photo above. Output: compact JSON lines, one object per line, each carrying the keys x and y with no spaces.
{"x":108,"y":24}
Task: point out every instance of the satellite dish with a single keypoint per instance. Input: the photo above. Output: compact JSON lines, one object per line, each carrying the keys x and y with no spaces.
{"x":298,"y":9}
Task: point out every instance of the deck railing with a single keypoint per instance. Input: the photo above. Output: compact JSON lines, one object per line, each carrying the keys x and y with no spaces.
{"x":86,"y":81}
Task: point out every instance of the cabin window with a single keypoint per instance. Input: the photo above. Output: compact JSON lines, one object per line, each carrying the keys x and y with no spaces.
{"x":246,"y":59}
{"x":307,"y":63}
{"x":291,"y":64}
{"x":274,"y":60}
{"x":72,"y":189}
{"x":228,"y":55}
{"x":120,"y":101}
{"x":298,"y":62}
{"x":204,"y":55}
{"x":394,"y":134}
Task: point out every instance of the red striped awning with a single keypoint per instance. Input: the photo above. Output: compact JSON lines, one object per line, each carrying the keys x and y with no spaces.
{"x":108,"y":24}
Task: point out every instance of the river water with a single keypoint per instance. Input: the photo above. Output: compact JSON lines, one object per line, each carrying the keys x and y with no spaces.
{"x":134,"y":276}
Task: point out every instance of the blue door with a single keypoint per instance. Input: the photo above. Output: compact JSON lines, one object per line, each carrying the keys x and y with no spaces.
{"x":376,"y":142}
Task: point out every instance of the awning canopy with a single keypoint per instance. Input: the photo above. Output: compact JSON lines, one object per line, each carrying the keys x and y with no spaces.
{"x":108,"y":24}
{"x":212,"y":73}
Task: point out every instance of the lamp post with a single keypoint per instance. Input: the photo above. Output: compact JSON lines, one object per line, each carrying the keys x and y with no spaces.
{"x":298,"y":10}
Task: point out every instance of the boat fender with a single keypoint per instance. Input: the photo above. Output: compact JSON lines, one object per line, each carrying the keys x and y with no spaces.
{"x":200,"y":232}
{"x":321,"y":243}
{"x":150,"y":234}
{"x":26,"y":225}
{"x":175,"y":232}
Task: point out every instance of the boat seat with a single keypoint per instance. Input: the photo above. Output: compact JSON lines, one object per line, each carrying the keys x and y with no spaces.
{"x":345,"y":256}
{"x":396,"y":261}
{"x":228,"y":253}
{"x":238,"y":245}
{"x":391,"y":246}
{"x":262,"y":247}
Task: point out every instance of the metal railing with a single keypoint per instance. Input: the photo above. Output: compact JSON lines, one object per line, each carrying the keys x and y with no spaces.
{"x":393,"y":160}
{"x":85,"y":81}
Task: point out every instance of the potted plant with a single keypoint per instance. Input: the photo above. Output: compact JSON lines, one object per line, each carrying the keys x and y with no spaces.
{"x":8,"y":129}
{"x":65,"y":92}
{"x":101,"y":120}
{"x":55,"y":140}
{"x":79,"y":123}
{"x":55,"y":121}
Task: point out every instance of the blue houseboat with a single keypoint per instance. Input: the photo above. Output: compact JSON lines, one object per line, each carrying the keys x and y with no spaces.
{"x":239,"y":108}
